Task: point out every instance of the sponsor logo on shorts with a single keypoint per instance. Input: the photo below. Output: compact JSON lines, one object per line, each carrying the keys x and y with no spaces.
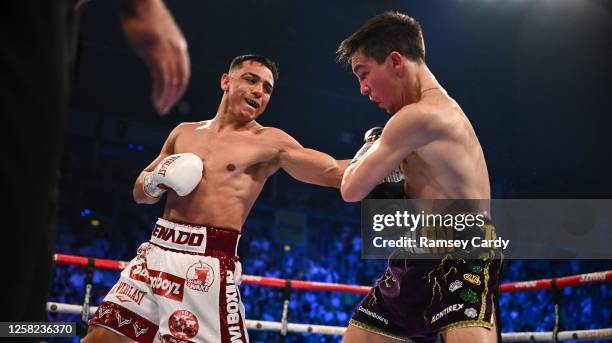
{"x":444,"y":312}
{"x":373,"y":315}
{"x":140,"y":330}
{"x":472,"y":278}
{"x":104,"y":310}
{"x":200,"y":276}
{"x":143,"y":250}
{"x":455,"y":285}
{"x":476,"y":269}
{"x":121,"y":321}
{"x":109,"y":311}
{"x":167,"y":285}
{"x":471,"y":312}
{"x":178,"y":237}
{"x":131,"y":292}
{"x":233,"y":308}
{"x":139,"y":272}
{"x":468,"y":295}
{"x":183,"y":324}
{"x":600,"y":276}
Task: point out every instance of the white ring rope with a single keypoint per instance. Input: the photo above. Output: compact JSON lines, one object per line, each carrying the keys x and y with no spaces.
{"x":579,"y":335}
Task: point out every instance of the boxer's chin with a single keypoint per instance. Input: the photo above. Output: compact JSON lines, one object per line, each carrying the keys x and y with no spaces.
{"x":384,"y":107}
{"x":248,"y":114}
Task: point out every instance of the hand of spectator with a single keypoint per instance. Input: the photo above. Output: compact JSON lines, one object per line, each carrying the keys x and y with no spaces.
{"x":151,"y":31}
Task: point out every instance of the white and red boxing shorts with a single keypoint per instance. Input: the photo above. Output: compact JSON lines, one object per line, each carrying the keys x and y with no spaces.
{"x":181,"y":287}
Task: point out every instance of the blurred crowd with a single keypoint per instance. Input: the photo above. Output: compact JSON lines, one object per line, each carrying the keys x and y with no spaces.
{"x":323,"y":249}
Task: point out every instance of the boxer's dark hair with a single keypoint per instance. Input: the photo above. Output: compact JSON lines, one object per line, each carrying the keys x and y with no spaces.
{"x":268,"y":63}
{"x":384,"y":33}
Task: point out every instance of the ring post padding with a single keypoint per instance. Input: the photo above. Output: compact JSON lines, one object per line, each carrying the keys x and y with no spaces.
{"x":556,"y":296}
{"x":285,"y":314}
{"x":87,"y":296}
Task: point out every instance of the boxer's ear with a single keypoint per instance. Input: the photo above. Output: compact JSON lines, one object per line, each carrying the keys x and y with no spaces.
{"x":396,"y":59}
{"x":225,"y":79}
{"x":396,"y":63}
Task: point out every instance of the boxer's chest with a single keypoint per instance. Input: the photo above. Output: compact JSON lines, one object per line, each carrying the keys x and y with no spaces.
{"x":228,"y":153}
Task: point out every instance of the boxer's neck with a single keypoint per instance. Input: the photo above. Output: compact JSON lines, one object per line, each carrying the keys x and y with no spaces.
{"x":417,"y":83}
{"x":224,"y":121}
{"x":426,"y":82}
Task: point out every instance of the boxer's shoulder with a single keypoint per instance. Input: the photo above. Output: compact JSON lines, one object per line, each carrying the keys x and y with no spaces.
{"x":269,"y":131}
{"x":189,"y":128}
{"x":193,"y":126}
{"x":277,"y":136}
{"x":427,"y":118}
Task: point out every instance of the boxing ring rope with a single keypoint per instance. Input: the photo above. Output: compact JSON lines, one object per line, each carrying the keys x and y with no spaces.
{"x":554,"y":284}
{"x":566,"y":281}
{"x":250,"y":324}
{"x":246,"y":279}
{"x":338,"y":330}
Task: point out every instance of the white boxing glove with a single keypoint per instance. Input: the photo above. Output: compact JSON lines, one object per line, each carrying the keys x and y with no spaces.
{"x":181,"y":172}
{"x":371,"y":136}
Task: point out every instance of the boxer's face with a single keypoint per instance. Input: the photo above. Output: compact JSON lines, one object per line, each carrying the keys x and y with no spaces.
{"x":374,"y":80}
{"x":380,"y":82}
{"x":248,"y":89}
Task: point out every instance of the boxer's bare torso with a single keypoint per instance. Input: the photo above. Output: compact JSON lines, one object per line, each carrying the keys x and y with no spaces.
{"x":237,"y":164}
{"x":452,"y":166}
{"x":238,"y":155}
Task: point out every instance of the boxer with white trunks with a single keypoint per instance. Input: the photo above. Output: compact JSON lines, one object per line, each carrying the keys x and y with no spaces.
{"x":182,"y":285}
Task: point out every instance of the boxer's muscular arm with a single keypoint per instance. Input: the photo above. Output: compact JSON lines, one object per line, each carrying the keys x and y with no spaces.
{"x":308,"y":165}
{"x":168,"y":149}
{"x":408,"y":130}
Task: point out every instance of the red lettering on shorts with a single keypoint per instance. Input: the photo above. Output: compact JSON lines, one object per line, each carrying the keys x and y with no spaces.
{"x":139,"y":272}
{"x":196,"y":239}
{"x":133,"y":293}
{"x":183,"y":238}
{"x":165,"y":233}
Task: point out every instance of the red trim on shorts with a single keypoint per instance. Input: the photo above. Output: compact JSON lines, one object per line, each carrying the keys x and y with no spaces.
{"x":124,"y":321}
{"x":201,"y":225}
{"x":231,"y":324}
{"x":209,"y":253}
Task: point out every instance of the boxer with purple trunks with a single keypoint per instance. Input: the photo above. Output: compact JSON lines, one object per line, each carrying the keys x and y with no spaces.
{"x":428,"y":147}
